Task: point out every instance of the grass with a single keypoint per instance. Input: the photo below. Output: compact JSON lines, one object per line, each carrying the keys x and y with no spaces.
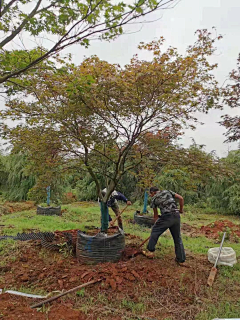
{"x":81,"y":215}
{"x":198,"y":217}
{"x":223,"y":310}
{"x":8,"y":250}
{"x":72,"y":218}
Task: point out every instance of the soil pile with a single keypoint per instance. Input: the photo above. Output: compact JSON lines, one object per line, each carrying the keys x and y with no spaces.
{"x":214,"y":230}
{"x":173,"y":288}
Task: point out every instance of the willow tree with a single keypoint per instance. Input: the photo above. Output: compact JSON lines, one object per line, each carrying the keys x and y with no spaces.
{"x":97,"y":112}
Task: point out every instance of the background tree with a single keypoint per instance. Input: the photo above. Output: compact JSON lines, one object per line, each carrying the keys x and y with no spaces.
{"x":63,"y":23}
{"x":185,"y":170}
{"x":231,"y":94}
{"x":99,"y":111}
{"x":15,"y":177}
{"x":223,"y":192}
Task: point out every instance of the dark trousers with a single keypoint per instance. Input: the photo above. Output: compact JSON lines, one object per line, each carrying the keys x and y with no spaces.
{"x":169,"y":221}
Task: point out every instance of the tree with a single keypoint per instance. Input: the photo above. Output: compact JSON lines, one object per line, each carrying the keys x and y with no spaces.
{"x":15,"y":177}
{"x":66,"y":22}
{"x":169,"y":165}
{"x":231,"y":94}
{"x":96,"y":113}
{"x":224,"y":191}
{"x":3,"y":174}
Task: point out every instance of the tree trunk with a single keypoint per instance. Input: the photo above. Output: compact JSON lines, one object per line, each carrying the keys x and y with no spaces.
{"x":104,"y":216}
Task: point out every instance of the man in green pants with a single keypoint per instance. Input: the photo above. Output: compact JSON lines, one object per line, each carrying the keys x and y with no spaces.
{"x":169,"y":219}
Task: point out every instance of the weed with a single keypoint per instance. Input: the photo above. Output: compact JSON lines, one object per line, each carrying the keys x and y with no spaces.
{"x":181,"y":284}
{"x":227,"y":236}
{"x":133,"y":307}
{"x":44,"y":308}
{"x":64,"y":250}
{"x":81,"y":293}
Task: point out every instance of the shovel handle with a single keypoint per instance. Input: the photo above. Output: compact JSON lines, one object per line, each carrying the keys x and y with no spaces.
{"x":138,"y":248}
{"x":220,"y":249}
{"x":212,"y":276}
{"x":119,"y":215}
{"x":142,"y":243}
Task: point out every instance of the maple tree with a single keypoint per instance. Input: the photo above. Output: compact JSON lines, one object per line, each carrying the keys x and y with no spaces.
{"x":231,"y":97}
{"x":58,"y":24}
{"x":169,"y":165}
{"x":98,"y":112}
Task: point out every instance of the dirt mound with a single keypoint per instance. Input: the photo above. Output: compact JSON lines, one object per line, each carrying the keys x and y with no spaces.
{"x":18,"y":206}
{"x":172,"y":289}
{"x":13,"y":307}
{"x":214,"y":230}
{"x":39,"y":268}
{"x":189,"y":230}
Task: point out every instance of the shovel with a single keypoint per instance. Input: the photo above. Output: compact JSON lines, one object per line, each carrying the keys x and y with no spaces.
{"x":112,"y":222}
{"x":139,"y":247}
{"x":213,"y":272}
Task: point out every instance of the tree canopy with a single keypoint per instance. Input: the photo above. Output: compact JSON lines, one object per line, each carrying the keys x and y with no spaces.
{"x":231,"y":97}
{"x":97,"y":113}
{"x":26,"y":24}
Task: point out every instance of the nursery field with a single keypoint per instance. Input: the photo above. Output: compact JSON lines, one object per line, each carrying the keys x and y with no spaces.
{"x":133,"y":288}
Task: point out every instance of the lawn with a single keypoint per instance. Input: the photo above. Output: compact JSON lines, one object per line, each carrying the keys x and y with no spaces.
{"x":160,"y":289}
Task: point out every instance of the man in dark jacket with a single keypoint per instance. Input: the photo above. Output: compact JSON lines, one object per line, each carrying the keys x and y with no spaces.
{"x":113,"y":204}
{"x":169,"y":219}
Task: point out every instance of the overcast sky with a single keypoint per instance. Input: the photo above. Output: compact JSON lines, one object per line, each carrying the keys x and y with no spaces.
{"x":178,"y":25}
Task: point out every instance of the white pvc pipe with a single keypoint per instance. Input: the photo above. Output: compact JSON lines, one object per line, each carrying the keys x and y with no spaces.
{"x":17,"y":293}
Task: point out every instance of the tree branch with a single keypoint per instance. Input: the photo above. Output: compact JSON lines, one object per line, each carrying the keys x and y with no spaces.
{"x":61,"y":44}
{"x":21,"y":26}
{"x":7,"y":7}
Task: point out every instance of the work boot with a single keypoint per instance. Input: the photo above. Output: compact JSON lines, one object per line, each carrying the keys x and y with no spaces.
{"x":148,"y":254}
{"x":182,"y":264}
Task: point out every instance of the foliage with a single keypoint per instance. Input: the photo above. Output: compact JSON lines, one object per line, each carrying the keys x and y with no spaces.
{"x":231,"y":94}
{"x":224,"y":192}
{"x":178,"y":181}
{"x":18,"y":179}
{"x":96,"y":113}
{"x":57,"y":182}
{"x":22,"y":179}
{"x":186,"y":171}
{"x":86,"y":187}
{"x":65,"y":22}
{"x":3,"y":173}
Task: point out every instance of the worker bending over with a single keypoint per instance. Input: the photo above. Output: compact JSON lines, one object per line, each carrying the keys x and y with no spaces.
{"x":113,"y":204}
